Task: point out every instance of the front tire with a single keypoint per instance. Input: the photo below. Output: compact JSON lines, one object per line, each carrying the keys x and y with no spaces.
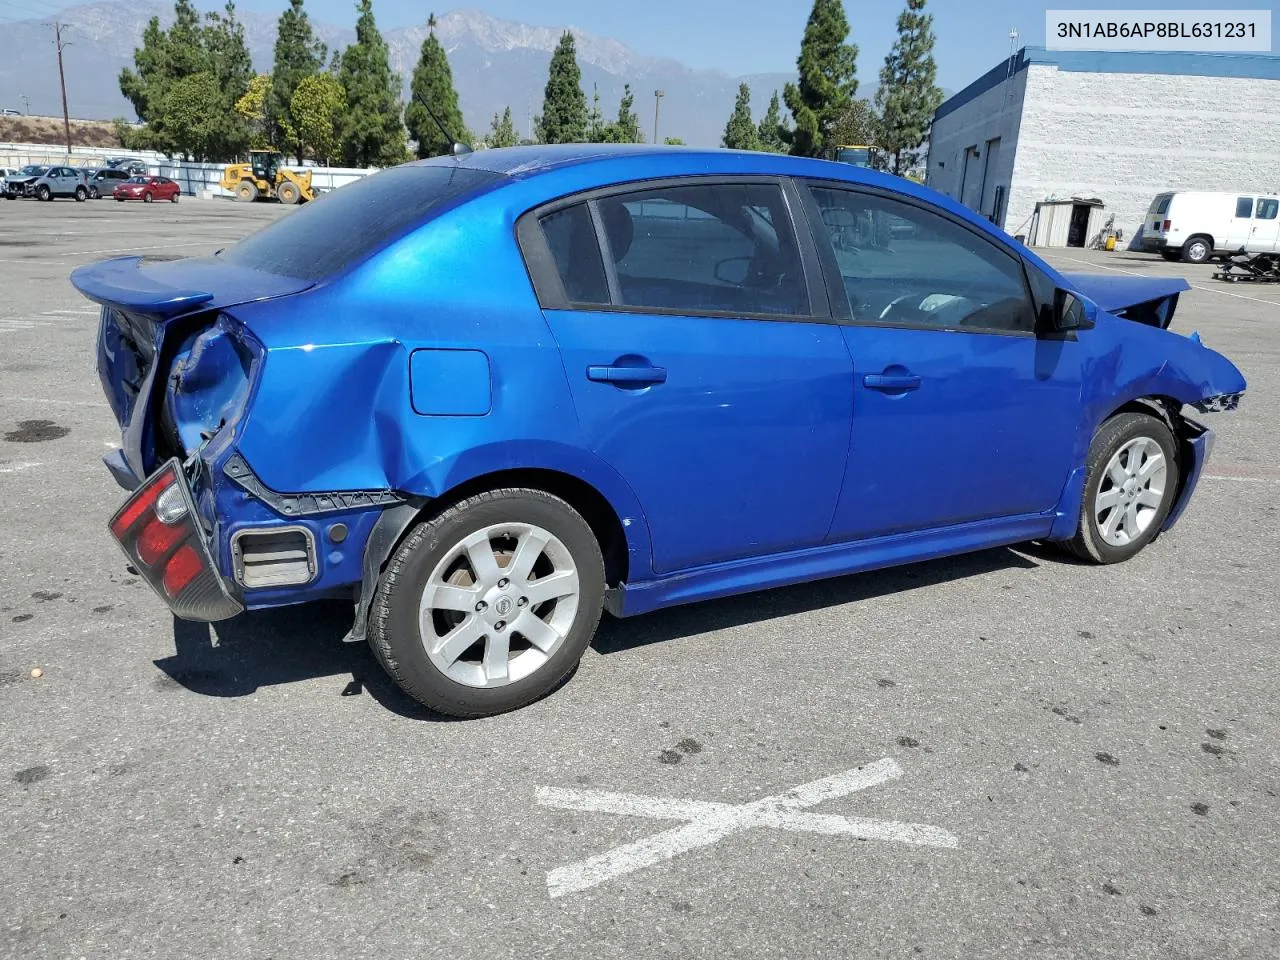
{"x":81,"y":195}
{"x":489,"y":605}
{"x":1130,"y":485}
{"x":147,"y":197}
{"x":44,"y":194}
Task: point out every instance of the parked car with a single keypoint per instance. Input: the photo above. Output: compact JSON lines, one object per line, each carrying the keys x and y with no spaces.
{"x":147,"y":189}
{"x":10,"y":112}
{"x":131,"y":165}
{"x":61,"y":182}
{"x":102,"y":182}
{"x":488,"y":395}
{"x":21,"y":183}
{"x":1194,"y":226}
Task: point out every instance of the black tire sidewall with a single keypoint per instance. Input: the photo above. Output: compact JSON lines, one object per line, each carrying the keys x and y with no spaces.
{"x":1186,"y":250}
{"x":1113,"y":435}
{"x":394,"y":618}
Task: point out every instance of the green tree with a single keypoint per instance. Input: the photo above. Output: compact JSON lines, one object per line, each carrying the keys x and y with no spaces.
{"x":433,"y":82}
{"x":740,"y":132}
{"x":251,"y":108}
{"x":317,"y":108}
{"x":626,"y":129}
{"x":564,"y":107}
{"x":828,"y":79}
{"x":214,"y":49}
{"x":298,"y":55}
{"x":502,"y":133}
{"x":595,"y":121}
{"x":371,"y":132}
{"x":191,"y":110}
{"x":772,"y":126}
{"x":908,"y":94}
{"x":859,"y":124}
{"x":673,"y":141}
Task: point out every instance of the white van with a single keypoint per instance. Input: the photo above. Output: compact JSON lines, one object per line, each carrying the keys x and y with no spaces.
{"x":1195,"y":226}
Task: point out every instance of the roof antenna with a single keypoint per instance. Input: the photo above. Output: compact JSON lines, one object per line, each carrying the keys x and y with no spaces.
{"x":456,"y":147}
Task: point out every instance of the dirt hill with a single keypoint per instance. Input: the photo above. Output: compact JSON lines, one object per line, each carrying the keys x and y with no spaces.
{"x":84,"y":133}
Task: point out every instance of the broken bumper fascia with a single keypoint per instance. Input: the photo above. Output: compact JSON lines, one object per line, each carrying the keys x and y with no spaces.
{"x":1196,"y":441}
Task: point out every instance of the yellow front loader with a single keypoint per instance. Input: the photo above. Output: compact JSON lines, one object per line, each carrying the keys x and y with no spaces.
{"x":264,"y":178}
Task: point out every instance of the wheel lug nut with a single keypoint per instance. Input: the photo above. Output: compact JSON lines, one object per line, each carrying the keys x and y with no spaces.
{"x":522,"y":601}
{"x":502,"y":583}
{"x":500,"y":625}
{"x":480,"y":607}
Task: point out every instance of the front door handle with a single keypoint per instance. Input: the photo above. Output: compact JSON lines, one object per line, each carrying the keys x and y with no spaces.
{"x":608,"y":373}
{"x":891,"y":383}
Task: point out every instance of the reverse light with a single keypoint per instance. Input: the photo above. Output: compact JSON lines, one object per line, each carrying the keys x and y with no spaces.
{"x":159,"y":533}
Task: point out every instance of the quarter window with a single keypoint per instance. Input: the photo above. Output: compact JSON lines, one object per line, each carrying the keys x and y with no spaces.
{"x":1244,"y":207}
{"x":1267,"y":208}
{"x":904,"y":266}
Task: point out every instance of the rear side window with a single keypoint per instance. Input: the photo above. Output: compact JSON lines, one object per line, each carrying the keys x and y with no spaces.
{"x":1267,"y":208}
{"x":343,"y":227}
{"x":1160,"y":204}
{"x":1244,"y":207}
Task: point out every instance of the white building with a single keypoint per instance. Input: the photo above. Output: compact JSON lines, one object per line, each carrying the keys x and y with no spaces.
{"x":1052,"y":144}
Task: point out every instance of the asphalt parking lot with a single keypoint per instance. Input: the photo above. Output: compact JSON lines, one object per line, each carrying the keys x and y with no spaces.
{"x":1091,"y":756}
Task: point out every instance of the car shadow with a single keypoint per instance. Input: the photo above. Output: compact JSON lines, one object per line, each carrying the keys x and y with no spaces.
{"x":240,"y":656}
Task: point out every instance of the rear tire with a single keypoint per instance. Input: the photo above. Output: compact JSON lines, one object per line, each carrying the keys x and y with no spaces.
{"x":174,"y":198}
{"x":93,"y":194}
{"x":1197,"y":249}
{"x":1130,"y":483}
{"x":147,"y":197}
{"x":509,"y":647}
{"x":246,"y":191}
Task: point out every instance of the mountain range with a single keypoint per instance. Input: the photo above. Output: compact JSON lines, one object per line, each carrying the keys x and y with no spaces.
{"x":496,"y":63}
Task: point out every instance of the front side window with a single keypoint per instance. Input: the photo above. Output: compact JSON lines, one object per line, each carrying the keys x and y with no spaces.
{"x":902,"y":265}
{"x":1267,"y":207}
{"x":1244,"y":207}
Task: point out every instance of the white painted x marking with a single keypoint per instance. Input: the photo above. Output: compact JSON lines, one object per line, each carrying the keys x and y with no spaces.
{"x":709,"y":822}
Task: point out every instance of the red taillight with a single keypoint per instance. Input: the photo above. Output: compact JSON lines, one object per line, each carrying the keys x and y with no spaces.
{"x":143,"y":503}
{"x":157,"y":539}
{"x":1168,"y":225}
{"x":183,"y":567}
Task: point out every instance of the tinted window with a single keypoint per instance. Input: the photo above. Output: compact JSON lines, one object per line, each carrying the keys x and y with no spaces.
{"x":1244,"y":206}
{"x":1267,"y":208}
{"x":345,"y":226}
{"x":714,"y":248}
{"x":1161,"y":204}
{"x":572,"y":238}
{"x":903,"y":265}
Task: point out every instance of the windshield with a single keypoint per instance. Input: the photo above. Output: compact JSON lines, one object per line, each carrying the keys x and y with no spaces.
{"x":347,"y":225}
{"x":33,"y":171}
{"x":858,"y":156}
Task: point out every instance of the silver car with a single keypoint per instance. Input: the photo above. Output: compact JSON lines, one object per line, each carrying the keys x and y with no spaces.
{"x":61,"y":182}
{"x":21,"y":183}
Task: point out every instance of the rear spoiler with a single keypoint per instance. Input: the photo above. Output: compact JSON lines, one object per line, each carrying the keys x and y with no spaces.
{"x":120,"y":283}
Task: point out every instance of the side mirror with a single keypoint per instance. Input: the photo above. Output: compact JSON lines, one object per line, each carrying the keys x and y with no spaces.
{"x":1068,"y":312}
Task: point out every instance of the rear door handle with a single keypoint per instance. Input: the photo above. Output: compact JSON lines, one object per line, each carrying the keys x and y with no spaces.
{"x":603,"y":373}
{"x":891,"y":383}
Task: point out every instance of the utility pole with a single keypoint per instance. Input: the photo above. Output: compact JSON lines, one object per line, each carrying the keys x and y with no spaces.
{"x":657,"y":102}
{"x":26,"y":104}
{"x":62,"y":79}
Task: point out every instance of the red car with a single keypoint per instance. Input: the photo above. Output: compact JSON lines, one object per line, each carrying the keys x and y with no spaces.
{"x":148,"y":189}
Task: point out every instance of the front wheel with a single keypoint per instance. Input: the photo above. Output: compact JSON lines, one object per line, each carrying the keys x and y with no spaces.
{"x":81,"y":194}
{"x":147,"y":198}
{"x":44,"y":194}
{"x":1130,"y":483}
{"x":489,"y":605}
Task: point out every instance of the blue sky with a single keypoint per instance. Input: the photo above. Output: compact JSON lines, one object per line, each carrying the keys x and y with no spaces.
{"x":762,"y":36}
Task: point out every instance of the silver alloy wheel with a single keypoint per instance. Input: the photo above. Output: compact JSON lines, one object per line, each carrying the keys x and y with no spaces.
{"x":1197,"y":250}
{"x":1131,"y":491}
{"x":499,"y":605}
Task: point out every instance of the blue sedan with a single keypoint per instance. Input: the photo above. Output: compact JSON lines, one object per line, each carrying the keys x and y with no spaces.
{"x":486,"y":397}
